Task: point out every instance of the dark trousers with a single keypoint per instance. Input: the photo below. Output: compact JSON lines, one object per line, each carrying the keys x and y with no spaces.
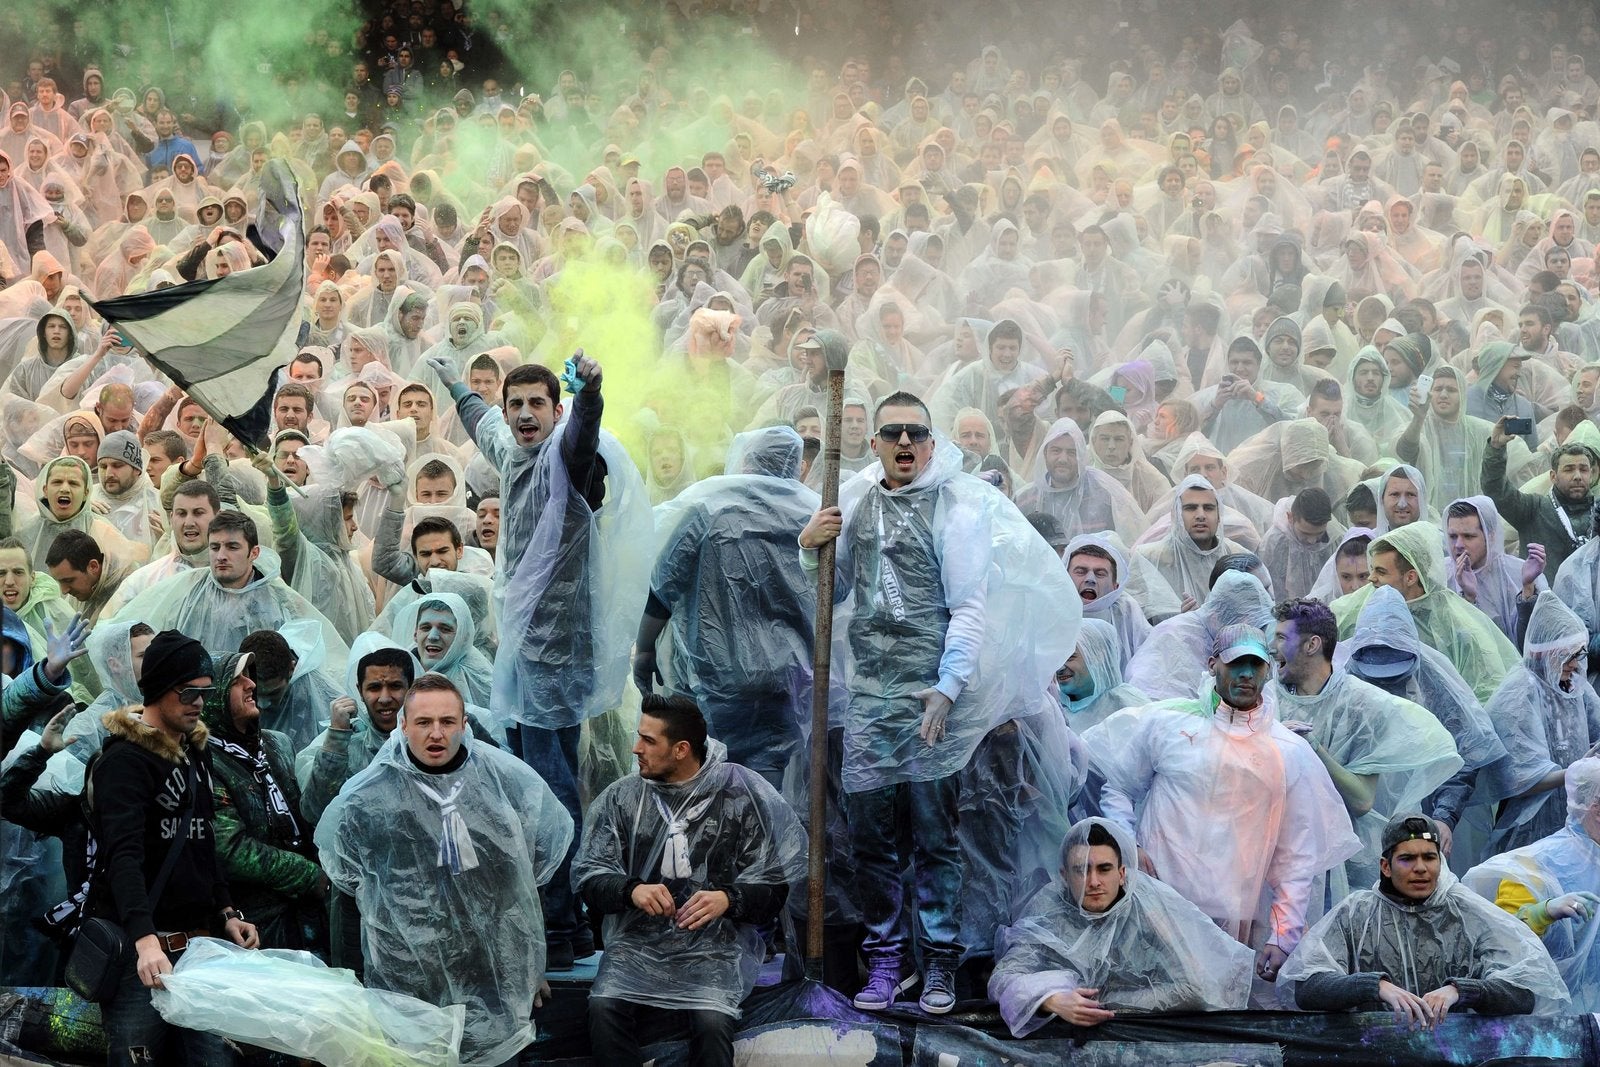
{"x":554,"y":755}
{"x":929,"y":814}
{"x":617,"y":1029}
{"x":136,"y":1033}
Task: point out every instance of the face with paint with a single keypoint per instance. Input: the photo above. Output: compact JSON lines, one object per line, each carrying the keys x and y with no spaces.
{"x":434,"y":634}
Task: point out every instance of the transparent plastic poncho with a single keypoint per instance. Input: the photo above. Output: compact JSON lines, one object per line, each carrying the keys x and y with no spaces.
{"x":477,"y":590}
{"x":743,"y":608}
{"x":1237,"y":813}
{"x":473,"y":936}
{"x":1369,"y":732}
{"x":572,"y":582}
{"x":292,"y":1002}
{"x":733,"y":829}
{"x":1567,"y":861}
{"x":1100,"y":647}
{"x":194,"y":603}
{"x":463,"y":663}
{"x":111,"y":654}
{"x":1172,"y":661}
{"x":1546,"y":724}
{"x":1092,"y":502}
{"x":1466,"y":636}
{"x":1455,"y":933}
{"x":301,"y":710}
{"x":326,"y":570}
{"x":1150,"y":951}
{"x":1577,"y":583}
{"x":1184,"y":565}
{"x":909,"y":556}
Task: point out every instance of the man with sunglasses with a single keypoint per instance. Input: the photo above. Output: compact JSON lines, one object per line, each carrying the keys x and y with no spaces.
{"x":151,"y":783}
{"x":914,"y":644}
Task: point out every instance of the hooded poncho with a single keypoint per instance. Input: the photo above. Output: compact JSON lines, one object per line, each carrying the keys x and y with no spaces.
{"x":1150,"y":951}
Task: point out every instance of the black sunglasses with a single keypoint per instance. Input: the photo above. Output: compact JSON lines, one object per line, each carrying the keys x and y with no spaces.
{"x":891,"y":433}
{"x":193,"y":693}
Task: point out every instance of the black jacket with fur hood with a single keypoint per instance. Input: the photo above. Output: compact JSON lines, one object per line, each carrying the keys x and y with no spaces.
{"x":140,"y":791}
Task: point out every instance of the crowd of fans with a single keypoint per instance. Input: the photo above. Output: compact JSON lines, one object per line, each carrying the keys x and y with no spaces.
{"x":1215,"y":552}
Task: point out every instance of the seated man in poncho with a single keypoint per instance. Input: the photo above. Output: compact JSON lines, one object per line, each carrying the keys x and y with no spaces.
{"x":230,"y":599}
{"x":685,"y":860}
{"x":1107,"y":938}
{"x":1231,"y":809}
{"x":1419,"y":944}
{"x":444,"y":843}
{"x":1410,"y":559}
{"x":1193,"y":543}
{"x":1553,"y":885}
{"x":1548,"y":716}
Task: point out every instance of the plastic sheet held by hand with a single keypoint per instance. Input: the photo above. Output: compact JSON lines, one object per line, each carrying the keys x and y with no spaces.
{"x":291,"y":1002}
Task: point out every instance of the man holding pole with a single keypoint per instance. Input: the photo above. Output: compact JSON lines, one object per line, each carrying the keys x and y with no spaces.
{"x":945,"y":645}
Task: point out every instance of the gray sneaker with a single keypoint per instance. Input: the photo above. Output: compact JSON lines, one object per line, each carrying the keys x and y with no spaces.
{"x":883,"y":985}
{"x":938,"y":989}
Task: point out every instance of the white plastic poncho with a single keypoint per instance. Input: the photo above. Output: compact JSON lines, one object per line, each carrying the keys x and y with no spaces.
{"x":1141,"y":594}
{"x":1172,"y":661}
{"x":1578,"y":585}
{"x":475,"y":936}
{"x":723,"y":828}
{"x":1544,"y":725}
{"x":1099,"y":646}
{"x":1500,"y":577}
{"x":1568,"y":861}
{"x":1150,"y":951}
{"x":1369,"y":732}
{"x":111,"y":654}
{"x":1455,"y":933}
{"x":1236,"y":813}
{"x":1184,"y":565}
{"x":1466,"y":636}
{"x":911,"y":556}
{"x":193,"y":602}
{"x":292,"y":1002}
{"x":1091,"y":501}
{"x":743,"y":608}
{"x":463,"y":662}
{"x":572,"y":583}
{"x":326,"y":571}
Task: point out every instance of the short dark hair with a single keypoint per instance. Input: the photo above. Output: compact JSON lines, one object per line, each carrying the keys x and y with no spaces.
{"x":297,"y":389}
{"x":534,"y":374}
{"x":484,"y":361}
{"x":1243,"y":562}
{"x":1409,"y":317}
{"x":308,"y":357}
{"x":435,"y":468}
{"x":1539,"y":311}
{"x":1327,"y":389}
{"x":435,"y":524}
{"x":402,"y":200}
{"x":388,"y":656}
{"x":1311,"y":618}
{"x":1098,"y":553}
{"x":1312,"y":505}
{"x":270,"y":655}
{"x":1360,"y":499}
{"x":71,"y":546}
{"x":235,"y":520}
{"x":1460,"y":509}
{"x":682,"y":718}
{"x":1572,"y":448}
{"x":169,"y":443}
{"x":1089,"y":836}
{"x":1206,"y":316}
{"x":195,"y":487}
{"x":435,"y":683}
{"x":901,"y":399}
{"x":1005,"y":328}
{"x":1354,"y":547}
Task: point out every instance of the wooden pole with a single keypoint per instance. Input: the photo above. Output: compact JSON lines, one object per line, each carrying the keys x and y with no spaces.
{"x":821,"y":669}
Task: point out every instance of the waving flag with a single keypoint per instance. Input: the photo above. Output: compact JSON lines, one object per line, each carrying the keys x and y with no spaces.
{"x":223,"y":340}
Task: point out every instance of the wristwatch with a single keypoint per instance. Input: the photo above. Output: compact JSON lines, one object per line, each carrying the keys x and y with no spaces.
{"x":229,"y":914}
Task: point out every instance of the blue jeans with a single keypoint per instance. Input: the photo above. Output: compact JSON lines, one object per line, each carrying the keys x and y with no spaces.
{"x":554,"y":755}
{"x":136,"y":1033}
{"x":927,"y":814}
